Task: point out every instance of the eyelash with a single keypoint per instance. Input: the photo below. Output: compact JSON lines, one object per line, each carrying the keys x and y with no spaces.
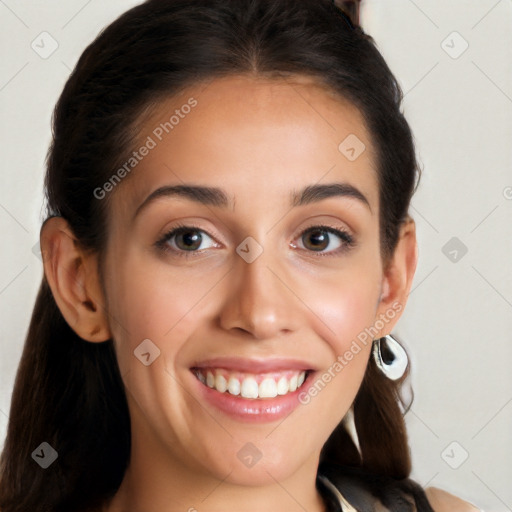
{"x":346,"y":239}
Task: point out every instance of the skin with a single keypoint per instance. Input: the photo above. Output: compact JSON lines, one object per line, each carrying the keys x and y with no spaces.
{"x":259,"y":140}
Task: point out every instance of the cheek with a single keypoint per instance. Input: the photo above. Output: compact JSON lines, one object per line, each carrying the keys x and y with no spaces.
{"x":152,"y":316}
{"x":154,"y":301}
{"x":346,"y":314}
{"x":345,"y":305}
{"x":345,"y":309}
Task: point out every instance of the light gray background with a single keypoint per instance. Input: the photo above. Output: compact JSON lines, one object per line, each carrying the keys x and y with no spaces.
{"x":457,"y":324}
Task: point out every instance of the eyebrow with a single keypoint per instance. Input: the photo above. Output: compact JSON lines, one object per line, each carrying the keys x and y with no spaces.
{"x":213,"y":196}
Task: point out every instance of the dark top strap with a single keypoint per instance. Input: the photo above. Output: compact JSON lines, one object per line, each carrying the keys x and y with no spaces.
{"x":374,"y":493}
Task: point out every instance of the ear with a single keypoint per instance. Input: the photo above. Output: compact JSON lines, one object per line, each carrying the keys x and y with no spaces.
{"x":72,"y":274}
{"x":398,"y":276}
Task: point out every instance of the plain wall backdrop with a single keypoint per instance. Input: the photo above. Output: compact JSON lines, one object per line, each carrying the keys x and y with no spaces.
{"x":453,"y":60}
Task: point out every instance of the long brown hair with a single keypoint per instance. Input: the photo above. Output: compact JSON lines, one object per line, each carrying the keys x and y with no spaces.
{"x":69,"y":392}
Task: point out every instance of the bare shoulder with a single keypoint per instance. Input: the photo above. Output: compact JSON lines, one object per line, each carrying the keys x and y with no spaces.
{"x":442,"y":501}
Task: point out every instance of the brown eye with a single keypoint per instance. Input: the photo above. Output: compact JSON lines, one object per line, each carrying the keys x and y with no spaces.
{"x":187,"y":239}
{"x":319,"y":238}
{"x":184,"y":240}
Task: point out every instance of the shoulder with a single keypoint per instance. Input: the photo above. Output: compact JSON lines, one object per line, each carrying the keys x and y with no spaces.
{"x":442,"y":501}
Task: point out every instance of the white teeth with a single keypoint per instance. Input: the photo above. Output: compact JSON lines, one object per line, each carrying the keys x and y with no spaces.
{"x":283,"y":386}
{"x":221,"y":383}
{"x":248,"y":386}
{"x":234,"y":386}
{"x":267,"y":388}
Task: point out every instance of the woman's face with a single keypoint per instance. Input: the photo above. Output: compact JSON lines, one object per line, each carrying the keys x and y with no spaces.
{"x":248,"y":292}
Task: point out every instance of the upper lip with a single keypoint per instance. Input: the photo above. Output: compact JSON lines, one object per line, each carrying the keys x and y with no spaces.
{"x":252,"y":365}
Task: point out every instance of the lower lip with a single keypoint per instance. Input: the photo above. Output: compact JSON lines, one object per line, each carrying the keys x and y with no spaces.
{"x":253,"y":410}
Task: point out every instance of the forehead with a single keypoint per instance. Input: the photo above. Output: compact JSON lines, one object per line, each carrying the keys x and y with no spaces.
{"x":238,"y":131}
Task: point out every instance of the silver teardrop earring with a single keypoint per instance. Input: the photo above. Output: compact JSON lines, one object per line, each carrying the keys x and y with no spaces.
{"x":392,"y":367}
{"x":350,"y":426}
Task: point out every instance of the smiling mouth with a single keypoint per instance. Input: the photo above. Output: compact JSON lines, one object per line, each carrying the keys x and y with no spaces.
{"x":252,"y":386}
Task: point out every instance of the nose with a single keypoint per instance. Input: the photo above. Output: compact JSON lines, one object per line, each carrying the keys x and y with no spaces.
{"x":260,"y":300}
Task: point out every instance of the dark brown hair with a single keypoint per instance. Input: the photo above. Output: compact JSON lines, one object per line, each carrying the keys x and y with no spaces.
{"x":69,"y":392}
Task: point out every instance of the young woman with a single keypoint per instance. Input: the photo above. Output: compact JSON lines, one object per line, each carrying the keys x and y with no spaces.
{"x":226,"y":252}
